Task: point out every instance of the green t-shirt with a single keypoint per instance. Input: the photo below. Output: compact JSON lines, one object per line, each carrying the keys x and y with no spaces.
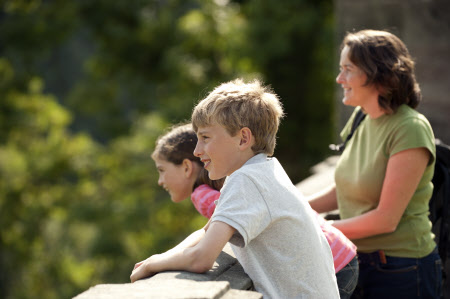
{"x":360,"y":172}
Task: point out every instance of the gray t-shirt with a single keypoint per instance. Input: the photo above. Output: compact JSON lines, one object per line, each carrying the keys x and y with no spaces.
{"x":277,"y":241}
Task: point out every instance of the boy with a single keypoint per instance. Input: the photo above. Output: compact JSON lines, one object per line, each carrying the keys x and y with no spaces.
{"x":270,"y":226}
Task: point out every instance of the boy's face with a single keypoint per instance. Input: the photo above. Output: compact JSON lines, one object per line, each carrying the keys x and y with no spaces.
{"x":172,"y":178}
{"x":218,"y":150}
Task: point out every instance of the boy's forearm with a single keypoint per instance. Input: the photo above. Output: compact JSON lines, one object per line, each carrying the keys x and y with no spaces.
{"x":190,"y":241}
{"x":196,"y":253}
{"x":174,"y":259}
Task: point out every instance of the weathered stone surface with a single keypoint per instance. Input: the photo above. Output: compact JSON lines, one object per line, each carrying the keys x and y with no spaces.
{"x":218,"y":282}
{"x":236,"y":294}
{"x":161,"y":289}
{"x":237,"y":278}
{"x":322,"y":176}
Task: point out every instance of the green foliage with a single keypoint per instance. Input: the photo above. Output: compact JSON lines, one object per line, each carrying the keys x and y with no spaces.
{"x":87,"y":86}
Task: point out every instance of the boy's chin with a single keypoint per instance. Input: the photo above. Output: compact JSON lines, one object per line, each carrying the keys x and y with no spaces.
{"x":214,"y":177}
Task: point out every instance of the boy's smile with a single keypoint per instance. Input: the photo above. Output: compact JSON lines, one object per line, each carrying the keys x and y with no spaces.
{"x":221,"y":153}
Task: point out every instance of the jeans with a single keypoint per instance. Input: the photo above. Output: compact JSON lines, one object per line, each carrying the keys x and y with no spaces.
{"x":397,"y":277}
{"x":347,"y":278}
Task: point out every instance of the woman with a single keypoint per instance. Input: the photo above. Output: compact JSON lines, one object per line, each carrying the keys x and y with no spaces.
{"x":383,"y":177}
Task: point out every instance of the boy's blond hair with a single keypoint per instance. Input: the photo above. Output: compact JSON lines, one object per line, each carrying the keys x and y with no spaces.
{"x":235,"y":105}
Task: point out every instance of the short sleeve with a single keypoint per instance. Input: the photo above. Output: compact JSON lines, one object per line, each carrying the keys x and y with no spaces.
{"x":242,"y":206}
{"x":412,"y":133}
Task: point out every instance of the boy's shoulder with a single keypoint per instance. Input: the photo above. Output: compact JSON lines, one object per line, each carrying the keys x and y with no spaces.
{"x":257,"y":161}
{"x":263,"y":171}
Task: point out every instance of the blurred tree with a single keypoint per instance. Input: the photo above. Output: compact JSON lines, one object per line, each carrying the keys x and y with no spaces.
{"x":292,"y":46}
{"x":74,"y":213}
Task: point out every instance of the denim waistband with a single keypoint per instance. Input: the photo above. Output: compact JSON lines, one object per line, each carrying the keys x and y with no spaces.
{"x":378,"y":257}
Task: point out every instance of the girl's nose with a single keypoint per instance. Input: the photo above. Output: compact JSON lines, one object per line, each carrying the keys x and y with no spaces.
{"x":160,"y":181}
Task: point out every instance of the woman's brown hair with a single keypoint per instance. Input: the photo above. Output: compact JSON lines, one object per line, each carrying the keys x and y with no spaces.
{"x":384,"y":58}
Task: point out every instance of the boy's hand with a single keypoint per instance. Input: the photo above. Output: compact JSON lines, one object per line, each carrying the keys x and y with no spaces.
{"x":141,"y":270}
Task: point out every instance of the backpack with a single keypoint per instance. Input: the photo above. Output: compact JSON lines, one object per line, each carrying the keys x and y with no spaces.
{"x":439,"y":204}
{"x":440,"y":210}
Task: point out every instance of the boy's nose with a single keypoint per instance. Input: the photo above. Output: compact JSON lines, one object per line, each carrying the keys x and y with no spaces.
{"x":160,"y":181}
{"x":197,"y":151}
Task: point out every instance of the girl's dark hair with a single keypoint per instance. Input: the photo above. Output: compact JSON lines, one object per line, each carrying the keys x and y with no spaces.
{"x":384,"y":58}
{"x":178,"y":144}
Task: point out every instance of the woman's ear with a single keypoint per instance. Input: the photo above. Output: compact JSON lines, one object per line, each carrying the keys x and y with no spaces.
{"x":247,"y":139}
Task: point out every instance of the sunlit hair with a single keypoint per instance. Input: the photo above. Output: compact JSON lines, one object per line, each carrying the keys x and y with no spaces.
{"x":384,"y":58}
{"x":177,"y":144}
{"x":235,"y":105}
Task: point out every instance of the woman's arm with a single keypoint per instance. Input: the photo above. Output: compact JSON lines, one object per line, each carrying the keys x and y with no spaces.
{"x":324,"y":200}
{"x":197,"y":253}
{"x":403,"y":174}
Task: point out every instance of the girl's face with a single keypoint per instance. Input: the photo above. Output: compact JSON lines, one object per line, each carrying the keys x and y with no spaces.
{"x":175,"y":179}
{"x":353,"y":79}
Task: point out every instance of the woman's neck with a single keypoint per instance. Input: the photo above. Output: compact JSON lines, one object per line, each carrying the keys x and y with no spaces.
{"x":373,"y":109}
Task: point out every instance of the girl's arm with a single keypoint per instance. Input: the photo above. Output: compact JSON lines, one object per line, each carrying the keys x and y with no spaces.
{"x":325,"y":200}
{"x":197,"y":253}
{"x":403,"y":174}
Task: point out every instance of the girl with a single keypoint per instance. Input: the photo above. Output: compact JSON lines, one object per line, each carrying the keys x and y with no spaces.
{"x":181,"y":173}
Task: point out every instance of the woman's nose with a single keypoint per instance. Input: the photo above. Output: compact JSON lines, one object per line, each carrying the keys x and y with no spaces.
{"x":339,"y":78}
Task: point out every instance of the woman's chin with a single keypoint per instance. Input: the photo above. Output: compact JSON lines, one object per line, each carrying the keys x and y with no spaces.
{"x":347,"y":102}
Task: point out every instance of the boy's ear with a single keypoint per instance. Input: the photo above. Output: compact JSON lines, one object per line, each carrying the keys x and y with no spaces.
{"x":247,"y":138}
{"x":188,"y":167}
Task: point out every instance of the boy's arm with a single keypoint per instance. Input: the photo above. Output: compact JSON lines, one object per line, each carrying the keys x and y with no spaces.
{"x":197,"y":253}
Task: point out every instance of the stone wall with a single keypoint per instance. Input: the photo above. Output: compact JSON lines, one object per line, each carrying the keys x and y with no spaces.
{"x":226,"y":280}
{"x":424,"y":26}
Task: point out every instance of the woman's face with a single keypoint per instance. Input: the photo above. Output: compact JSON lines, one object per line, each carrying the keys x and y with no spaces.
{"x":353,"y":79}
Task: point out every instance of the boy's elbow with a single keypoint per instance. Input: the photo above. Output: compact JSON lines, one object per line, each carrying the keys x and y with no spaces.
{"x":201,"y":267}
{"x":199,"y":263}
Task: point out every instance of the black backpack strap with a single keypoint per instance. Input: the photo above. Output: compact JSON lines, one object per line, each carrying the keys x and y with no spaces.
{"x":358,"y":119}
{"x":441,"y":197}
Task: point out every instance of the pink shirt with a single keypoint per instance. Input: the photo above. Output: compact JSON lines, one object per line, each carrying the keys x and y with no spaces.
{"x":342,"y":248}
{"x":203,"y":199}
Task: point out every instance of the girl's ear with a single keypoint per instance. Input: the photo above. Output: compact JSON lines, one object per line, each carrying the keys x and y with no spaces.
{"x":188,"y":168}
{"x":247,"y":138}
